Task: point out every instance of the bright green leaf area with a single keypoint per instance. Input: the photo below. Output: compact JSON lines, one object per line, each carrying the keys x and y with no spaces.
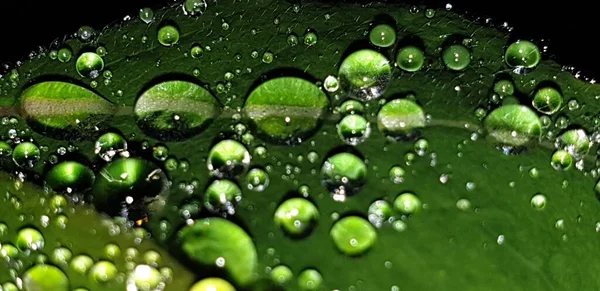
{"x":500,"y":244}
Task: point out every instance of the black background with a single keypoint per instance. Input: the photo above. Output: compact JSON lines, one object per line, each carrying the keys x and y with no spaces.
{"x":570,"y":26}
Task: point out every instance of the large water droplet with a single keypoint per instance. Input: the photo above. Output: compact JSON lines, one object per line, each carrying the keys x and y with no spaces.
{"x":45,"y":278}
{"x":513,"y":125}
{"x":70,"y":176}
{"x":365,"y":74}
{"x":344,"y":174}
{"x":401,"y":119}
{"x":228,"y":158}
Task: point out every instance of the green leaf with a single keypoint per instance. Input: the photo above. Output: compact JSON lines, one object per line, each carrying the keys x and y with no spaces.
{"x":477,"y":229}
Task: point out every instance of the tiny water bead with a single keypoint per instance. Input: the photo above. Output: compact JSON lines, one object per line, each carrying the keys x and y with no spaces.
{"x":504,"y":88}
{"x":407,"y":203}
{"x":175,"y":110}
{"x":5,"y":149}
{"x":112,"y":251}
{"x":109,"y":145}
{"x":397,"y":174}
{"x":352,"y":107}
{"x":64,"y":55}
{"x":310,"y":38}
{"x":168,"y":35}
{"x":70,"y":176}
{"x":194,"y":7}
{"x":61,"y":256}
{"x":547,"y":100}
{"x":522,"y":54}
{"x":281,"y":275}
{"x":146,"y":15}
{"x":456,"y":57}
{"x":222,"y":196}
{"x":331,"y":84}
{"x":29,"y":239}
{"x":286,"y":110}
{"x":343,"y":174}
{"x":26,"y":154}
{"x":228,"y":158}
{"x":160,"y":152}
{"x":382,"y":35}
{"x":8,"y":251}
{"x":292,"y":40}
{"x":353,"y":129}
{"x":410,"y":58}
{"x":212,"y":284}
{"x":268,"y":57}
{"x":575,"y":141}
{"x":257,"y":180}
{"x":538,"y":201}
{"x":400,"y":119}
{"x":196,"y":51}
{"x":86,"y":33}
{"x":89,"y":65}
{"x":309,"y":280}
{"x":561,"y":160}
{"x":103,"y":271}
{"x":297,"y":217}
{"x":421,"y":147}
{"x":365,"y":74}
{"x":513,"y":125}
{"x":380,"y":211}
{"x":45,"y":278}
{"x":144,"y":278}
{"x":353,"y":235}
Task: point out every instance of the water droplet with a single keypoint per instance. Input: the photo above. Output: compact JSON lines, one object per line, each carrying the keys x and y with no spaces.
{"x":456,"y":57}
{"x":343,"y":174}
{"x":429,"y":13}
{"x":257,"y":180}
{"x":353,"y":129}
{"x":222,"y":196}
{"x":86,"y":33}
{"x":400,"y":119}
{"x":112,"y":251}
{"x":89,"y":65}
{"x":504,"y":87}
{"x":29,"y":239}
{"x":145,"y":278}
{"x":547,"y":100}
{"x":297,"y":217}
{"x":574,"y":141}
{"x":538,"y":201}
{"x":61,"y":256}
{"x":194,"y":7}
{"x":353,"y":235}
{"x":228,"y":158}
{"x":109,"y":145}
{"x":561,"y":160}
{"x":421,"y":147}
{"x":407,"y":203}
{"x":410,"y":58}
{"x":310,"y":38}
{"x":26,"y":155}
{"x":382,"y":35}
{"x":513,"y":125}
{"x":64,"y":55}
{"x":287,"y":109}
{"x":175,"y":110}
{"x":70,"y":176}
{"x":331,"y":84}
{"x":45,"y":277}
{"x":103,"y":271}
{"x":365,"y":74}
{"x":396,"y":174}
{"x":380,"y":211}
{"x":281,"y":274}
{"x":268,"y":57}
{"x":522,"y":54}
{"x":292,"y":40}
{"x":168,"y":35}
{"x":146,"y":15}
{"x":309,"y":280}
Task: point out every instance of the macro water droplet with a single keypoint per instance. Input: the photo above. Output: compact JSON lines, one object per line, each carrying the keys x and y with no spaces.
{"x":112,"y":251}
{"x":45,"y":278}
{"x":86,"y":33}
{"x":70,"y":176}
{"x":29,"y":239}
{"x":456,"y":57}
{"x":257,"y":180}
{"x":26,"y":155}
{"x":343,"y":175}
{"x":109,"y":145}
{"x":429,"y":13}
{"x":286,"y":109}
{"x":146,"y":15}
{"x":547,"y":100}
{"x":538,"y":201}
{"x":352,"y":107}
{"x":194,"y":7}
{"x":297,"y":217}
{"x":61,"y":256}
{"x":400,"y":119}
{"x":353,"y":129}
{"x":574,"y":141}
{"x":504,"y":87}
{"x":292,"y":40}
{"x":396,"y":174}
{"x":81,"y":264}
{"x":281,"y":275}
{"x":222,"y":196}
{"x":309,"y":280}
{"x":310,"y":38}
{"x":365,"y":74}
{"x":228,"y":158}
{"x":89,"y":65}
{"x":103,"y":271}
{"x":168,"y":35}
{"x":382,"y":35}
{"x":331,"y":84}
{"x":513,"y":125}
{"x":175,"y":110}
{"x":421,"y":147}
{"x":407,"y":203}
{"x":522,"y":54}
{"x":353,"y":235}
{"x":64,"y":55}
{"x":410,"y":58}
{"x":144,"y":278}
{"x":561,"y":160}
{"x":380,"y":211}
{"x":212,"y":284}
